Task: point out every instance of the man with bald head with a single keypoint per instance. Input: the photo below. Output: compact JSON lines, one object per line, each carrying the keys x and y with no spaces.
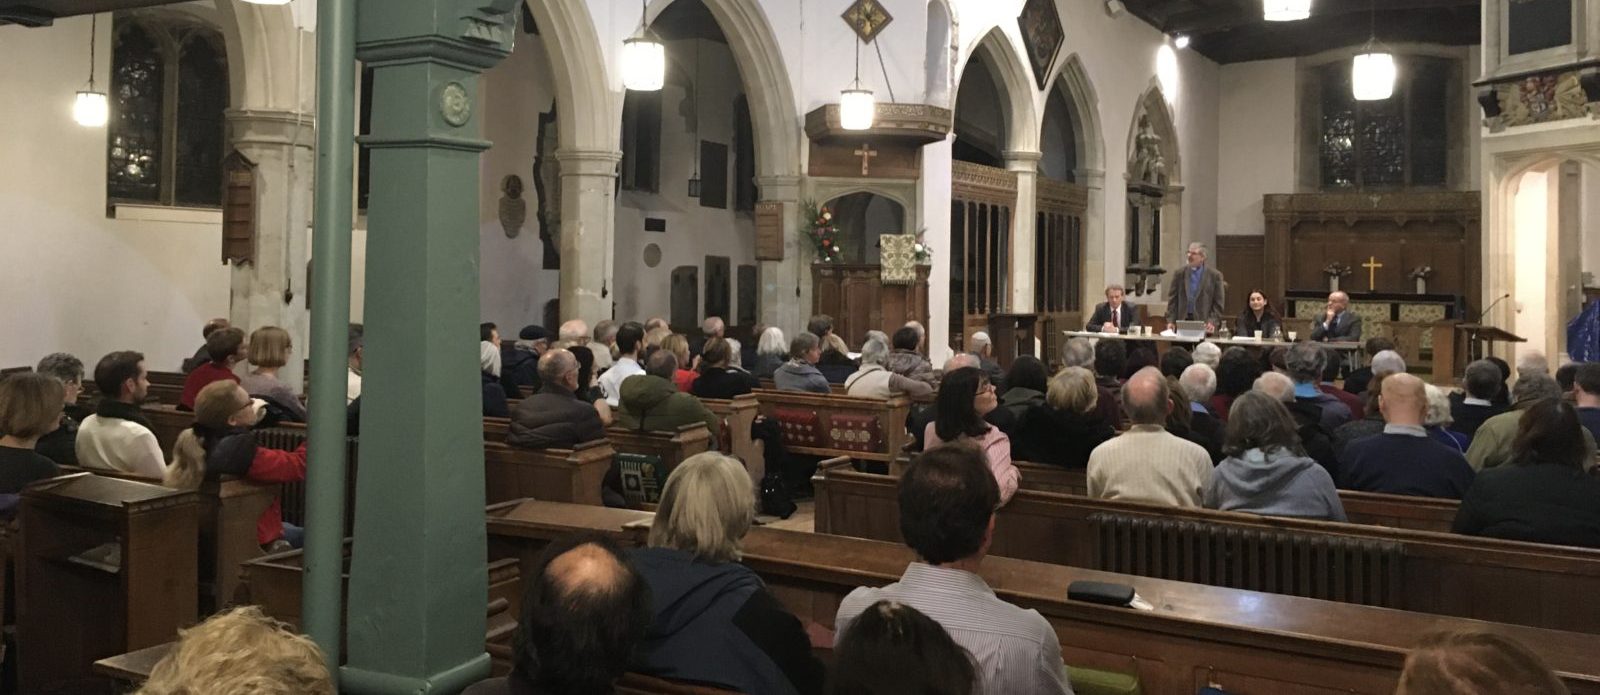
{"x":1147,"y":463}
{"x":584,"y":611}
{"x":1404,"y":460}
{"x":1337,"y":324}
{"x":573,"y":333}
{"x":554,"y":418}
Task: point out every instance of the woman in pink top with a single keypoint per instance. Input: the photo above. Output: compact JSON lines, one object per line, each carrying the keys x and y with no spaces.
{"x":965,"y":397}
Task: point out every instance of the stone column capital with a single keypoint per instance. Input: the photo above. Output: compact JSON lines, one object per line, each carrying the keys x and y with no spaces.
{"x":589,"y":162}
{"x":779,"y":188}
{"x":272,"y":128}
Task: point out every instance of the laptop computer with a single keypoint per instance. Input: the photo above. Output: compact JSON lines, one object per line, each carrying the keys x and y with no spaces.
{"x":1195,"y":330}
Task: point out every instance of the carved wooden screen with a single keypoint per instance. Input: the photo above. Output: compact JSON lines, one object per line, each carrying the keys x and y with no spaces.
{"x":982,"y":200}
{"x":1058,"y":259}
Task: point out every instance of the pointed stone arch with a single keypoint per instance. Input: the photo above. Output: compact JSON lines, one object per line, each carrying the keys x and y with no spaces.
{"x":578,"y":66}
{"x":1074,"y":85}
{"x":1153,"y":104}
{"x":1013,"y":78}
{"x":939,"y":53}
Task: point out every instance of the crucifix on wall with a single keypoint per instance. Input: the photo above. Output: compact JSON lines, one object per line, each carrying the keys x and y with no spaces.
{"x":866,"y":153}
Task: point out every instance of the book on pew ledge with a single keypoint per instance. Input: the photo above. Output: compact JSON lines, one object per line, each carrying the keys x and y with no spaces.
{"x":1107,"y":594}
{"x":106,"y":557}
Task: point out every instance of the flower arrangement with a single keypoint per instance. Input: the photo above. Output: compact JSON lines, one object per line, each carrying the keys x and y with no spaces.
{"x":1421,"y":272}
{"x":818,"y":221}
{"x":1337,"y":270}
{"x":924,"y":252}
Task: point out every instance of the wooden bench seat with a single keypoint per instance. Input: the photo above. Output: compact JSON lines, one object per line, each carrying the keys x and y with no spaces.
{"x":1444,"y":574}
{"x":867,"y":429}
{"x":733,"y":439}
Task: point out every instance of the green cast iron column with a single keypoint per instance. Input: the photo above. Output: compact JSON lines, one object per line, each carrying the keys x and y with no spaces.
{"x":417,"y":577}
{"x":330,"y":317}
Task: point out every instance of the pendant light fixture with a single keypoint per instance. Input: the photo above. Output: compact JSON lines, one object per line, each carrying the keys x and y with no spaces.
{"x":694,"y":179}
{"x":644,"y":59}
{"x":1285,"y":10}
{"x":268,"y":2}
{"x":857,"y":107}
{"x":91,"y":109}
{"x":1372,"y":73}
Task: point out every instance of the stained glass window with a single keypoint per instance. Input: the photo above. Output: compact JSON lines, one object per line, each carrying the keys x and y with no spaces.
{"x":133,"y":164}
{"x":166,"y":137}
{"x":202,"y":97}
{"x":1390,"y":143}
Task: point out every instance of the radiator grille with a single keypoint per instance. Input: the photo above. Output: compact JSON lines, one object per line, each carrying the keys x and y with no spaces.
{"x":294,"y":494}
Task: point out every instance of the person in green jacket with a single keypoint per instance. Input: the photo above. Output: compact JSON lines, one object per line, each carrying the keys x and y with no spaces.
{"x":651,"y":402}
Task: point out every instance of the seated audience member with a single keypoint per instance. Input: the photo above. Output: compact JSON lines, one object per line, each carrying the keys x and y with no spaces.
{"x":965,"y":397}
{"x":736,"y":355}
{"x":630,"y":337}
{"x":874,"y":380}
{"x":573,"y":333}
{"x":1138,"y":358}
{"x":1503,"y":397}
{"x":30,"y":408}
{"x":1351,"y":402}
{"x":981,"y":346}
{"x":1180,"y":422}
{"x":61,"y":445}
{"x":657,"y":323}
{"x":222,"y":443}
{"x":1476,"y":662}
{"x":1266,"y":472}
{"x":1469,"y":410}
{"x":555,"y":418}
{"x":800,"y":372}
{"x":717,"y":378}
{"x":1337,"y":323}
{"x":1492,"y":445}
{"x":1532,"y":362}
{"x":1078,"y":352}
{"x":1586,"y":392}
{"x":712,"y":327}
{"x":588,"y":390}
{"x":1315,"y":440}
{"x":653,"y":339}
{"x":1174,"y":361}
{"x":1259,"y":316}
{"x":201,"y":356}
{"x":1305,"y":363}
{"x":651,"y":403}
{"x":947,"y":504}
{"x":1357,"y":430}
{"x":684,"y":378}
{"x":240,"y":651}
{"x":605,"y":339}
{"x":880,"y":336}
{"x":584,"y":610}
{"x":771,"y":352}
{"x":1437,"y":421}
{"x":714,"y":621}
{"x":1199,"y":383}
{"x":820,"y":326}
{"x":1068,"y":428}
{"x":1542,"y":494}
{"x":269,"y":351}
{"x":494,"y":395}
{"x":226,"y":348}
{"x":519,"y":359}
{"x":1356,"y":381}
{"x":1110,"y":361}
{"x":1028,"y":382}
{"x":835,"y":363}
{"x":922,"y":415}
{"x":1403,"y":459}
{"x":894,"y":649}
{"x":117,"y":436}
{"x":1208,"y":354}
{"x":1147,"y":463}
{"x":905,"y":359}
{"x":357,"y":344}
{"x":1276,"y":359}
{"x":1567,"y":379}
{"x":1237,"y":372}
{"x":1112,"y":315}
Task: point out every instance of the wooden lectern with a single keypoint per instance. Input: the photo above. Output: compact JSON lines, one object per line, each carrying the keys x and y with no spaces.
{"x":1479,"y":336}
{"x":105,"y":567}
{"x":1012,"y":335}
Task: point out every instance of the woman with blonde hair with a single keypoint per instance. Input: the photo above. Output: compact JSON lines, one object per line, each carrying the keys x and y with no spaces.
{"x":222,"y":443}
{"x":836,"y":364}
{"x":684,"y":377}
{"x":1069,"y":426}
{"x":1476,"y":662}
{"x":240,"y":652}
{"x":269,"y":351}
{"x":714,"y":621}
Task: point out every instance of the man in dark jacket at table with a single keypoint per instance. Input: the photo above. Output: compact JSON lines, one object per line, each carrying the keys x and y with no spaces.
{"x":554,"y":418}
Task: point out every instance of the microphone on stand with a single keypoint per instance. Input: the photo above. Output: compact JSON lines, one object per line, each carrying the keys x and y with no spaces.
{"x":1492,"y":305}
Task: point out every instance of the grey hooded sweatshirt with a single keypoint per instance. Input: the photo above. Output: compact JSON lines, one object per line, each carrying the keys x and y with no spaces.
{"x":1275,"y":483}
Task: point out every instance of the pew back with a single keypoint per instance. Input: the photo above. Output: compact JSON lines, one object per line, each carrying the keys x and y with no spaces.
{"x":864,"y":428}
{"x":647,"y":458}
{"x":734,"y":437}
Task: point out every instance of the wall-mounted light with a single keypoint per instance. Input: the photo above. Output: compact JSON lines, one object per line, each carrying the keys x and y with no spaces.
{"x":268,"y":2}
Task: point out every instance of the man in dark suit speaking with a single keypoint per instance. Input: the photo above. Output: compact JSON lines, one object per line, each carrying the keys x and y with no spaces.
{"x":1194,"y":292}
{"x":1112,"y":315}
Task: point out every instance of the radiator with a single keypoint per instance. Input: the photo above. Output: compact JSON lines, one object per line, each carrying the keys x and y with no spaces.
{"x":294,"y":494}
{"x":1314,"y":565}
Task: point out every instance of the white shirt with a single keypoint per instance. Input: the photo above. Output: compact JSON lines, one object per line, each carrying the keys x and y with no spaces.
{"x":611,"y":381}
{"x":115,"y":444}
{"x":352,"y":386}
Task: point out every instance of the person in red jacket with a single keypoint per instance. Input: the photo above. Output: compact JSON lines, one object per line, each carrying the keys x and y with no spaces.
{"x":222,"y":443}
{"x":226,"y":348}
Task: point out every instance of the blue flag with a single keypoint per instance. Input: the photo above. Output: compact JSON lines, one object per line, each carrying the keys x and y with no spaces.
{"x":1583,"y":334}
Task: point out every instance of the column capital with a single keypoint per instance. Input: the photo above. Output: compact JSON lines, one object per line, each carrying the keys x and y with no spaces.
{"x":1094,"y":179}
{"x":779,"y":188}
{"x":589,"y":162}
{"x":1022,"y":161}
{"x":272,"y":128}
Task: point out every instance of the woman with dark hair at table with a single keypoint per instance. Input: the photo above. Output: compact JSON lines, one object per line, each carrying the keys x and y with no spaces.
{"x":1544,"y":496}
{"x":1259,"y":316}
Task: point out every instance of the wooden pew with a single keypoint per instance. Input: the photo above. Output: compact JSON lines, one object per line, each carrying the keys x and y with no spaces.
{"x":565,"y":475}
{"x":766,"y":383}
{"x":1444,"y":574}
{"x":647,"y":458}
{"x":1250,"y":643}
{"x":867,"y":429}
{"x":734,"y":439}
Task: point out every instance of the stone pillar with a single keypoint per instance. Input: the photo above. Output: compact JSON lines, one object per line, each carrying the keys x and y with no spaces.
{"x":786,"y":284}
{"x":1094,"y":238}
{"x":271,"y":290}
{"x":934,"y":197}
{"x":588,"y":224}
{"x":1024,"y":216}
{"x":418,"y":581}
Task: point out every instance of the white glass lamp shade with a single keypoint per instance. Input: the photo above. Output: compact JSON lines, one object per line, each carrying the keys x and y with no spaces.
{"x":91,"y":109}
{"x":1372,"y":76}
{"x":857,"y":109}
{"x":1285,"y":10}
{"x":268,"y":2}
{"x":644,"y":64}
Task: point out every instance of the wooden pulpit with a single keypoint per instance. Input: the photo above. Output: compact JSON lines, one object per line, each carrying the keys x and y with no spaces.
{"x":1012,"y":335}
{"x":855,"y":295}
{"x":1480,"y":337}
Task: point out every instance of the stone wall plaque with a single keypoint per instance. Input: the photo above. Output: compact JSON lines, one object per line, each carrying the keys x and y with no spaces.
{"x":769,"y":231}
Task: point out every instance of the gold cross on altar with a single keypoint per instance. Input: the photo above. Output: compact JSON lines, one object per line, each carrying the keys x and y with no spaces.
{"x":866,"y":153}
{"x":1372,"y":265}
